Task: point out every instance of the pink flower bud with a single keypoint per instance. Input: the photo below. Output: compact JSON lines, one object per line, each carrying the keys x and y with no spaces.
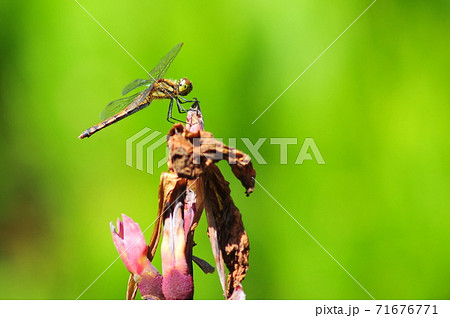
{"x":130,"y":243}
{"x":177,"y":283}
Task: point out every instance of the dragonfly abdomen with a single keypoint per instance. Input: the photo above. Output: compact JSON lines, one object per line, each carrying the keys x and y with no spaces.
{"x":111,"y":120}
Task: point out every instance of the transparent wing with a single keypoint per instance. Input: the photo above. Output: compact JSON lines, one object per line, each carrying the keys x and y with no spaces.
{"x":156,"y":73}
{"x":135,"y":84}
{"x":160,"y":70}
{"x":118,"y":105}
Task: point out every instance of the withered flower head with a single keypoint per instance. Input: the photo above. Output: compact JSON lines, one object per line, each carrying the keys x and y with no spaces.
{"x":194,"y":183}
{"x":193,"y":153}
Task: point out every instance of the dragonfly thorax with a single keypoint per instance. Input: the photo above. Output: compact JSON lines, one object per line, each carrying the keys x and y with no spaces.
{"x":184,"y":86}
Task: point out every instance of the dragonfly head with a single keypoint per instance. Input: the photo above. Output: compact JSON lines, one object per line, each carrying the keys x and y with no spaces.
{"x":184,"y":86}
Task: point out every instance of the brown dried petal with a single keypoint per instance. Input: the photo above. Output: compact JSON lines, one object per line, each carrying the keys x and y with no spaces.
{"x":191,"y":153}
{"x":232,"y":239}
{"x":171,"y":189}
{"x":131,"y":288}
{"x":181,"y":154}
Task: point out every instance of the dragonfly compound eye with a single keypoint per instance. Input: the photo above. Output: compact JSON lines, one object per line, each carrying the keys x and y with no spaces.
{"x":185,"y":86}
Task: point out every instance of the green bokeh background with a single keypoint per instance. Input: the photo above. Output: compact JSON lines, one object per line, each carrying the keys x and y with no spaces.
{"x":376,"y":104}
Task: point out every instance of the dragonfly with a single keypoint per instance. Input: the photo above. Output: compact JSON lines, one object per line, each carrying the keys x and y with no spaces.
{"x":156,"y":88}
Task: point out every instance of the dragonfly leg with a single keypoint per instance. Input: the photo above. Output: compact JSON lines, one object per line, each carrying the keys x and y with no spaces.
{"x":185,"y":100}
{"x":195,"y":104}
{"x":169,"y":113}
{"x":181,"y":109}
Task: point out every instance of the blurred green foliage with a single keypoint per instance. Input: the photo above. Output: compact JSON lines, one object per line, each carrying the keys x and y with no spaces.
{"x":376,"y":104}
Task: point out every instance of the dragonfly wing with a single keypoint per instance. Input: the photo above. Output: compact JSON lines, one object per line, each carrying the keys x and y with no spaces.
{"x":116,"y":106}
{"x":160,"y":70}
{"x":156,"y":73}
{"x":135,"y":84}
